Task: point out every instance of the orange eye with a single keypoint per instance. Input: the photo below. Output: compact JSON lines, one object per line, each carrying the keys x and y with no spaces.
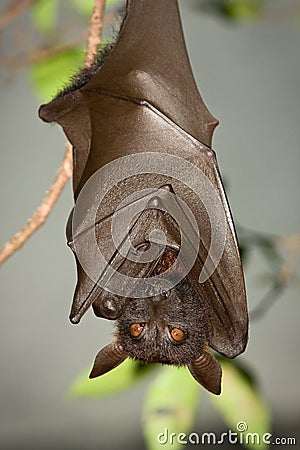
{"x":177,"y":334}
{"x":135,"y":329}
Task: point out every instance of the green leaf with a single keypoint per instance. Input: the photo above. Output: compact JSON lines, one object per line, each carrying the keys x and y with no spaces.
{"x":44,"y":14}
{"x":119,"y":379}
{"x":243,"y":9}
{"x":83,"y":6}
{"x":86,"y":6}
{"x":170,"y":407}
{"x":112,"y":3}
{"x":52,"y":74}
{"x":242,"y":406}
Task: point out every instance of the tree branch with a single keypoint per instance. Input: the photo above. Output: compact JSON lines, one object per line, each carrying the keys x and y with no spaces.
{"x":65,"y":170}
{"x":38,"y":54}
{"x":13,"y":10}
{"x":291,"y":245}
{"x":94,"y":36}
{"x":41,"y":214}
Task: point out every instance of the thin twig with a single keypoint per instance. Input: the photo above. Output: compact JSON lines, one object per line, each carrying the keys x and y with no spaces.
{"x":13,"y":10}
{"x":42,"y":53}
{"x":281,"y":12}
{"x":65,"y":171}
{"x":267,"y":301}
{"x":94,"y":36}
{"x":291,"y":245}
{"x":41,"y":214}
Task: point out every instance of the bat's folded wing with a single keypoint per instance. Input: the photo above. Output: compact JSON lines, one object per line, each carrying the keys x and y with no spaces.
{"x":111,"y":267}
{"x":143,"y":103}
{"x":165,"y":155}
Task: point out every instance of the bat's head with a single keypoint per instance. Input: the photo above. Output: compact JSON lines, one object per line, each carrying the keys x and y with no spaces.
{"x":170,"y":328}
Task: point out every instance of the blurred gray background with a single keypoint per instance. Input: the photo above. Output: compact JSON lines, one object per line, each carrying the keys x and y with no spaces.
{"x":249,"y":77}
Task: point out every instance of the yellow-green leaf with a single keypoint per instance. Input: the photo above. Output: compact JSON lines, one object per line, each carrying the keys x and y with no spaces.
{"x":52,"y":74}
{"x":86,"y":6}
{"x":243,"y":9}
{"x":44,"y":14}
{"x":170,"y":407}
{"x":242,"y":406}
{"x":119,"y":379}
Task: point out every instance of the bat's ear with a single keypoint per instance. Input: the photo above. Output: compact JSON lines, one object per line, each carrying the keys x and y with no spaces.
{"x":107,"y":359}
{"x":71,"y":112}
{"x":207,"y":371}
{"x":59,"y":107}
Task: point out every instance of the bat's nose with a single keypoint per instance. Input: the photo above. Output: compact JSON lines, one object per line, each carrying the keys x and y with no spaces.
{"x":157,"y":299}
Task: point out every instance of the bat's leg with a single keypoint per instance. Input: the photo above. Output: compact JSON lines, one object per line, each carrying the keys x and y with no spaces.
{"x":107,"y":359}
{"x":207,"y":371}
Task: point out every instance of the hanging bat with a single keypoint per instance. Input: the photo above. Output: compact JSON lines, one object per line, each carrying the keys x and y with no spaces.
{"x":138,"y":113}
